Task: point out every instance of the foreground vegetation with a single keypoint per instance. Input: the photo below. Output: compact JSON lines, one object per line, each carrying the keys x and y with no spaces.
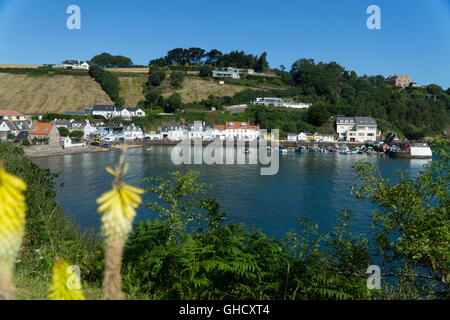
{"x":189,"y":252}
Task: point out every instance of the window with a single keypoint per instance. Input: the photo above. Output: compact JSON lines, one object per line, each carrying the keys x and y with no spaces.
{"x":231,"y":125}
{"x":242,"y":125}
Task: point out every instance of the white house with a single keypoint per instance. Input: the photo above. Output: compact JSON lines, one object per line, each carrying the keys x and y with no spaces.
{"x":278,"y":102}
{"x":14,"y":126}
{"x":174,"y":133}
{"x":73,"y":64}
{"x":296,"y":105}
{"x":12,"y":115}
{"x":110,"y":111}
{"x":268,"y":102}
{"x":106,"y":111}
{"x":357,"y":129}
{"x":225,"y":75}
{"x":136,"y":112}
{"x":301,"y":137}
{"x":68,"y":143}
{"x":132,"y":132}
{"x":109,"y":133}
{"x":324,"y":137}
{"x":153,"y":136}
{"x":240,"y":131}
{"x":291,"y":137}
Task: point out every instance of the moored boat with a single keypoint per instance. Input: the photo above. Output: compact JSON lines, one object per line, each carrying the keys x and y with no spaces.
{"x":416,"y":151}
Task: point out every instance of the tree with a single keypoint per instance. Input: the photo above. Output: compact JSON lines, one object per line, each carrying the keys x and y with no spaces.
{"x":205,"y":71}
{"x":214,"y":57}
{"x":183,"y":194}
{"x":318,"y":114}
{"x":105,"y":60}
{"x":177,"y":55}
{"x":411,"y":227}
{"x":152,"y":96}
{"x":176,"y":79}
{"x":63,"y":131}
{"x":173,"y":103}
{"x":195,"y":55}
{"x":156,"y":77}
{"x":10,"y":135}
{"x":213,"y":102}
{"x":109,"y":83}
{"x":77,"y":134}
{"x":262,"y":64}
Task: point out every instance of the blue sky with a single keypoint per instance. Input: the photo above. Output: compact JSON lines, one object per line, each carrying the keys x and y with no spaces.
{"x":414,"y":39}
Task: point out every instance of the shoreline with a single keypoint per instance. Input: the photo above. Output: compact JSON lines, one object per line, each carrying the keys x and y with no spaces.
{"x":47,"y":151}
{"x":34,"y":152}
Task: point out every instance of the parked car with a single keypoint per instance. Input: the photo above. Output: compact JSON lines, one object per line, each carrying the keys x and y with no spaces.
{"x":106,"y":145}
{"x":122,"y":140}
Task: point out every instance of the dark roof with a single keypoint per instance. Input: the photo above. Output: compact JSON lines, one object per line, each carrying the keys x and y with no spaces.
{"x":23,"y":135}
{"x":77,"y":125}
{"x":101,"y":107}
{"x":365,"y":121}
{"x":73,"y":62}
{"x":16,"y":125}
{"x":343,"y":119}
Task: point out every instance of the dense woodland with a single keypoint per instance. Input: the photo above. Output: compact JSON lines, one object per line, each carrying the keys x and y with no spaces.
{"x":199,"y":56}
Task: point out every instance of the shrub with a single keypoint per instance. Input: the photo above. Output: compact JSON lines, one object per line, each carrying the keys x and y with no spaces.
{"x":176,"y":79}
{"x":63,"y":131}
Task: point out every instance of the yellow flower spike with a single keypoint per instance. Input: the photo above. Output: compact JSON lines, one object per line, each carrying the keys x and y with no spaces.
{"x":12,"y":227}
{"x":65,"y":283}
{"x":118,"y":208}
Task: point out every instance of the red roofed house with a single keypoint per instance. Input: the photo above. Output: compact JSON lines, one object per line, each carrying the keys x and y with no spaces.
{"x":44,"y":133}
{"x":236,"y":131}
{"x":12,"y":115}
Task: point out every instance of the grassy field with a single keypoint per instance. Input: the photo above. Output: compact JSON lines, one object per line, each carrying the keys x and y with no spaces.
{"x":128,"y":70}
{"x":193,"y":90}
{"x":49,"y":94}
{"x":19,"y":66}
{"x":60,"y":93}
{"x":131,"y":89}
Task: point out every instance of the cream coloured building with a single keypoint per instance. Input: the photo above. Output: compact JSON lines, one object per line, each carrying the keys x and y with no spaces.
{"x":357,"y":129}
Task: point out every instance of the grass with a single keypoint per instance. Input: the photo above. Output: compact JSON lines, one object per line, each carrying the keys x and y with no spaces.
{"x":19,"y":66}
{"x":35,"y":287}
{"x":193,"y":90}
{"x":128,"y":70}
{"x":58,"y":93}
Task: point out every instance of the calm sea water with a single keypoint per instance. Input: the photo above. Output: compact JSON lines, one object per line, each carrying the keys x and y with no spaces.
{"x":311,"y":185}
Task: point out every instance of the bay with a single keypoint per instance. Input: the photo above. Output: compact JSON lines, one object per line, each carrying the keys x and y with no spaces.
{"x":311,"y":185}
